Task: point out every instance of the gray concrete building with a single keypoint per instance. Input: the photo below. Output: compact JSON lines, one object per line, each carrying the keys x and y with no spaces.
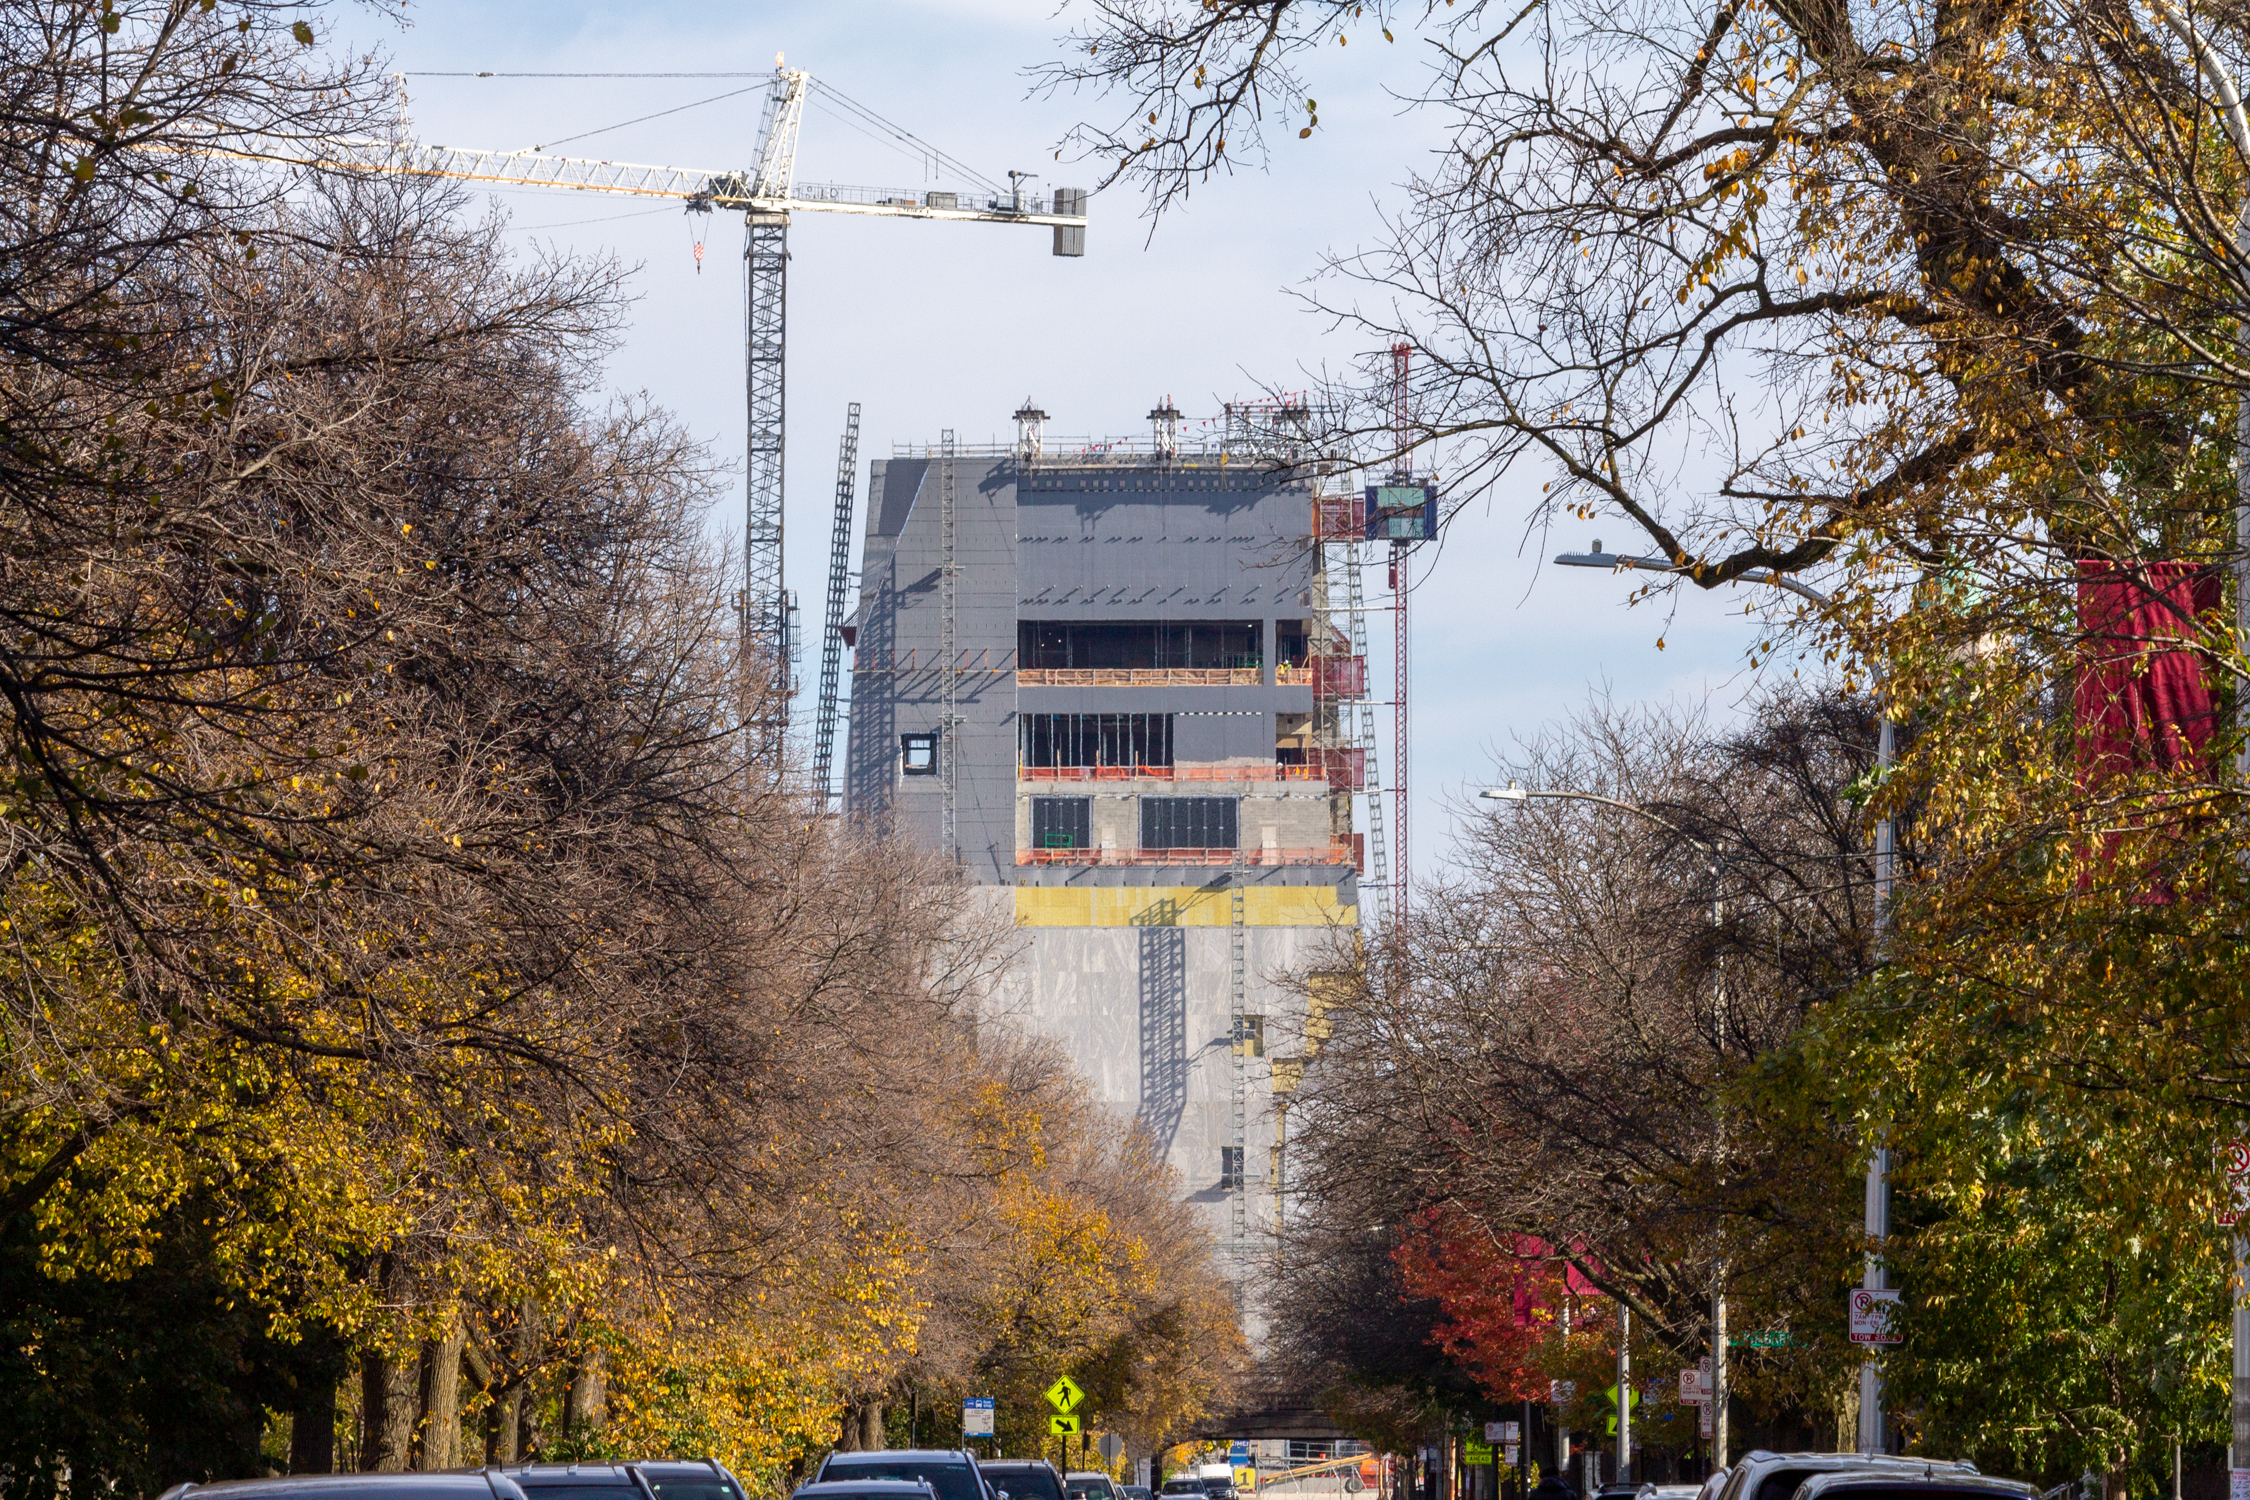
{"x":1108,"y":679}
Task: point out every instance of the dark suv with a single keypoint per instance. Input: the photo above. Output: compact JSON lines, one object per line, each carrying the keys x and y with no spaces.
{"x":951,"y":1473}
{"x":1775,"y":1476}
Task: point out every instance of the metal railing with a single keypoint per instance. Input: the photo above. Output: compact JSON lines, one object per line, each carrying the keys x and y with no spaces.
{"x":1140,"y":677}
{"x":1260,"y":772}
{"x":1269,"y":856}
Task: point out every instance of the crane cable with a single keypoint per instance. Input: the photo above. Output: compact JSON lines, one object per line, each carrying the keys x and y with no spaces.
{"x":900,"y":137}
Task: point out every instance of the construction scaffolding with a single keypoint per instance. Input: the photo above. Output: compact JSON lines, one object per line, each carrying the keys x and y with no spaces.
{"x":839,"y":586}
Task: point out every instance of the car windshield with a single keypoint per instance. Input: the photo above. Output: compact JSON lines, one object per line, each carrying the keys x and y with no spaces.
{"x":1780,"y":1484}
{"x":712,"y":1488}
{"x":952,"y":1481}
{"x":1026,"y":1483}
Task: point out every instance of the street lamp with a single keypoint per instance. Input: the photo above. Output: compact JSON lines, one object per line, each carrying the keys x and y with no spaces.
{"x":1874,"y":1275}
{"x":1516,"y":793}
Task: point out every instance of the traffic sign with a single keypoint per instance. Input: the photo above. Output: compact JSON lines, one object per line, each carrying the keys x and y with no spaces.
{"x":2234,"y":1158}
{"x":1561,"y":1392}
{"x":1064,"y":1396}
{"x":1111,"y":1445}
{"x":1062,"y":1426}
{"x":976,"y":1417}
{"x":1474,"y":1452}
{"x":1874,"y":1316}
{"x":1695,"y":1384}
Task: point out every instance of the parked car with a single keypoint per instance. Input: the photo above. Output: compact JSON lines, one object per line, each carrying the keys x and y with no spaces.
{"x":1185,"y":1484}
{"x":1136,"y":1492}
{"x":1023,"y":1478}
{"x":1086,"y":1485}
{"x":486,"y":1484}
{"x":1760,"y":1475}
{"x":951,"y":1473}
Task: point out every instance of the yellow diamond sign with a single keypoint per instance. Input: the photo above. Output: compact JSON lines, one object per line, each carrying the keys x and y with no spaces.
{"x":1064,"y":1395}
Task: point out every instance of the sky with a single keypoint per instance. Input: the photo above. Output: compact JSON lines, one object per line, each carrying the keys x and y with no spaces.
{"x":935,"y":325}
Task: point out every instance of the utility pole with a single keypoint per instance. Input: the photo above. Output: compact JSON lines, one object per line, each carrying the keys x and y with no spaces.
{"x":1624,"y":1392}
{"x":1718,"y":1391}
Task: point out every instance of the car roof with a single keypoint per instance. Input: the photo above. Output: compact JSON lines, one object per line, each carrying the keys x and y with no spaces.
{"x":473,"y":1484}
{"x":1932,"y":1479}
{"x":953,"y":1455}
{"x":531,"y":1476}
{"x":1014,"y":1463}
{"x":865,"y":1487}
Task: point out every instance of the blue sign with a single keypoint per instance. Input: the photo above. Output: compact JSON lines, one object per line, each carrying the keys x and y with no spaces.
{"x":976,"y":1417}
{"x":1401,"y":512}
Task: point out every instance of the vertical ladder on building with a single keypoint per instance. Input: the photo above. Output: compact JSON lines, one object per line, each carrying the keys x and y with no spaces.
{"x":1378,"y":859}
{"x":949,"y":603}
{"x":839,"y":581}
{"x":1238,"y":1000}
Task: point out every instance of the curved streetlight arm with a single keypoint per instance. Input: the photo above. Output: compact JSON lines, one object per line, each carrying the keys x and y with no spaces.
{"x":1516,"y":792}
{"x":1617,"y":561}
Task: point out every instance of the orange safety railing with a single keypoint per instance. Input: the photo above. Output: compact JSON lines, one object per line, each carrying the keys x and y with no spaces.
{"x":1260,"y":772}
{"x":1140,"y":677}
{"x":1303,"y":676}
{"x":1333,"y":853}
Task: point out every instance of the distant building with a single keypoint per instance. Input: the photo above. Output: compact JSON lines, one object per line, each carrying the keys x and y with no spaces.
{"x":1123,"y":707}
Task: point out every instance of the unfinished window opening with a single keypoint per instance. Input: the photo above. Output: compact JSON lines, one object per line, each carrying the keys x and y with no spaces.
{"x":918,"y":753}
{"x":1095,"y":740}
{"x":1139,"y":645}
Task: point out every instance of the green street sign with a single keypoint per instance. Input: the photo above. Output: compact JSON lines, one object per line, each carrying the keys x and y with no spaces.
{"x":1064,"y":1395}
{"x":1473,"y":1452}
{"x":1772,"y":1338}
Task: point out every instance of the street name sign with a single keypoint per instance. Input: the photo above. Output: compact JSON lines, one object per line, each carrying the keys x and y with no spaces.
{"x":1874,"y":1316}
{"x":976,"y":1417}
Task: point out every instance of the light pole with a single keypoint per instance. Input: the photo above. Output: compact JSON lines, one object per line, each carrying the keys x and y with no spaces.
{"x":1873,"y":1275}
{"x":2237,"y":120}
{"x":1518,"y":794}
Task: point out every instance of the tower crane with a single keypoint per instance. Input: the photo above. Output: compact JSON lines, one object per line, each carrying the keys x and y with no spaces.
{"x":766,"y":194}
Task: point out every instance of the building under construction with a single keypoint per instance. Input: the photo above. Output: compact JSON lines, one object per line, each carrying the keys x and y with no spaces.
{"x":1120,"y":683}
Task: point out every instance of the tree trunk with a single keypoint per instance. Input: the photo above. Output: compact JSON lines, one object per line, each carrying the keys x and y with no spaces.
{"x":388,"y":1391}
{"x":312,"y":1428}
{"x":871,"y":1426}
{"x":441,"y":1428}
{"x":586,"y":1404}
{"x":522,"y":1440}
